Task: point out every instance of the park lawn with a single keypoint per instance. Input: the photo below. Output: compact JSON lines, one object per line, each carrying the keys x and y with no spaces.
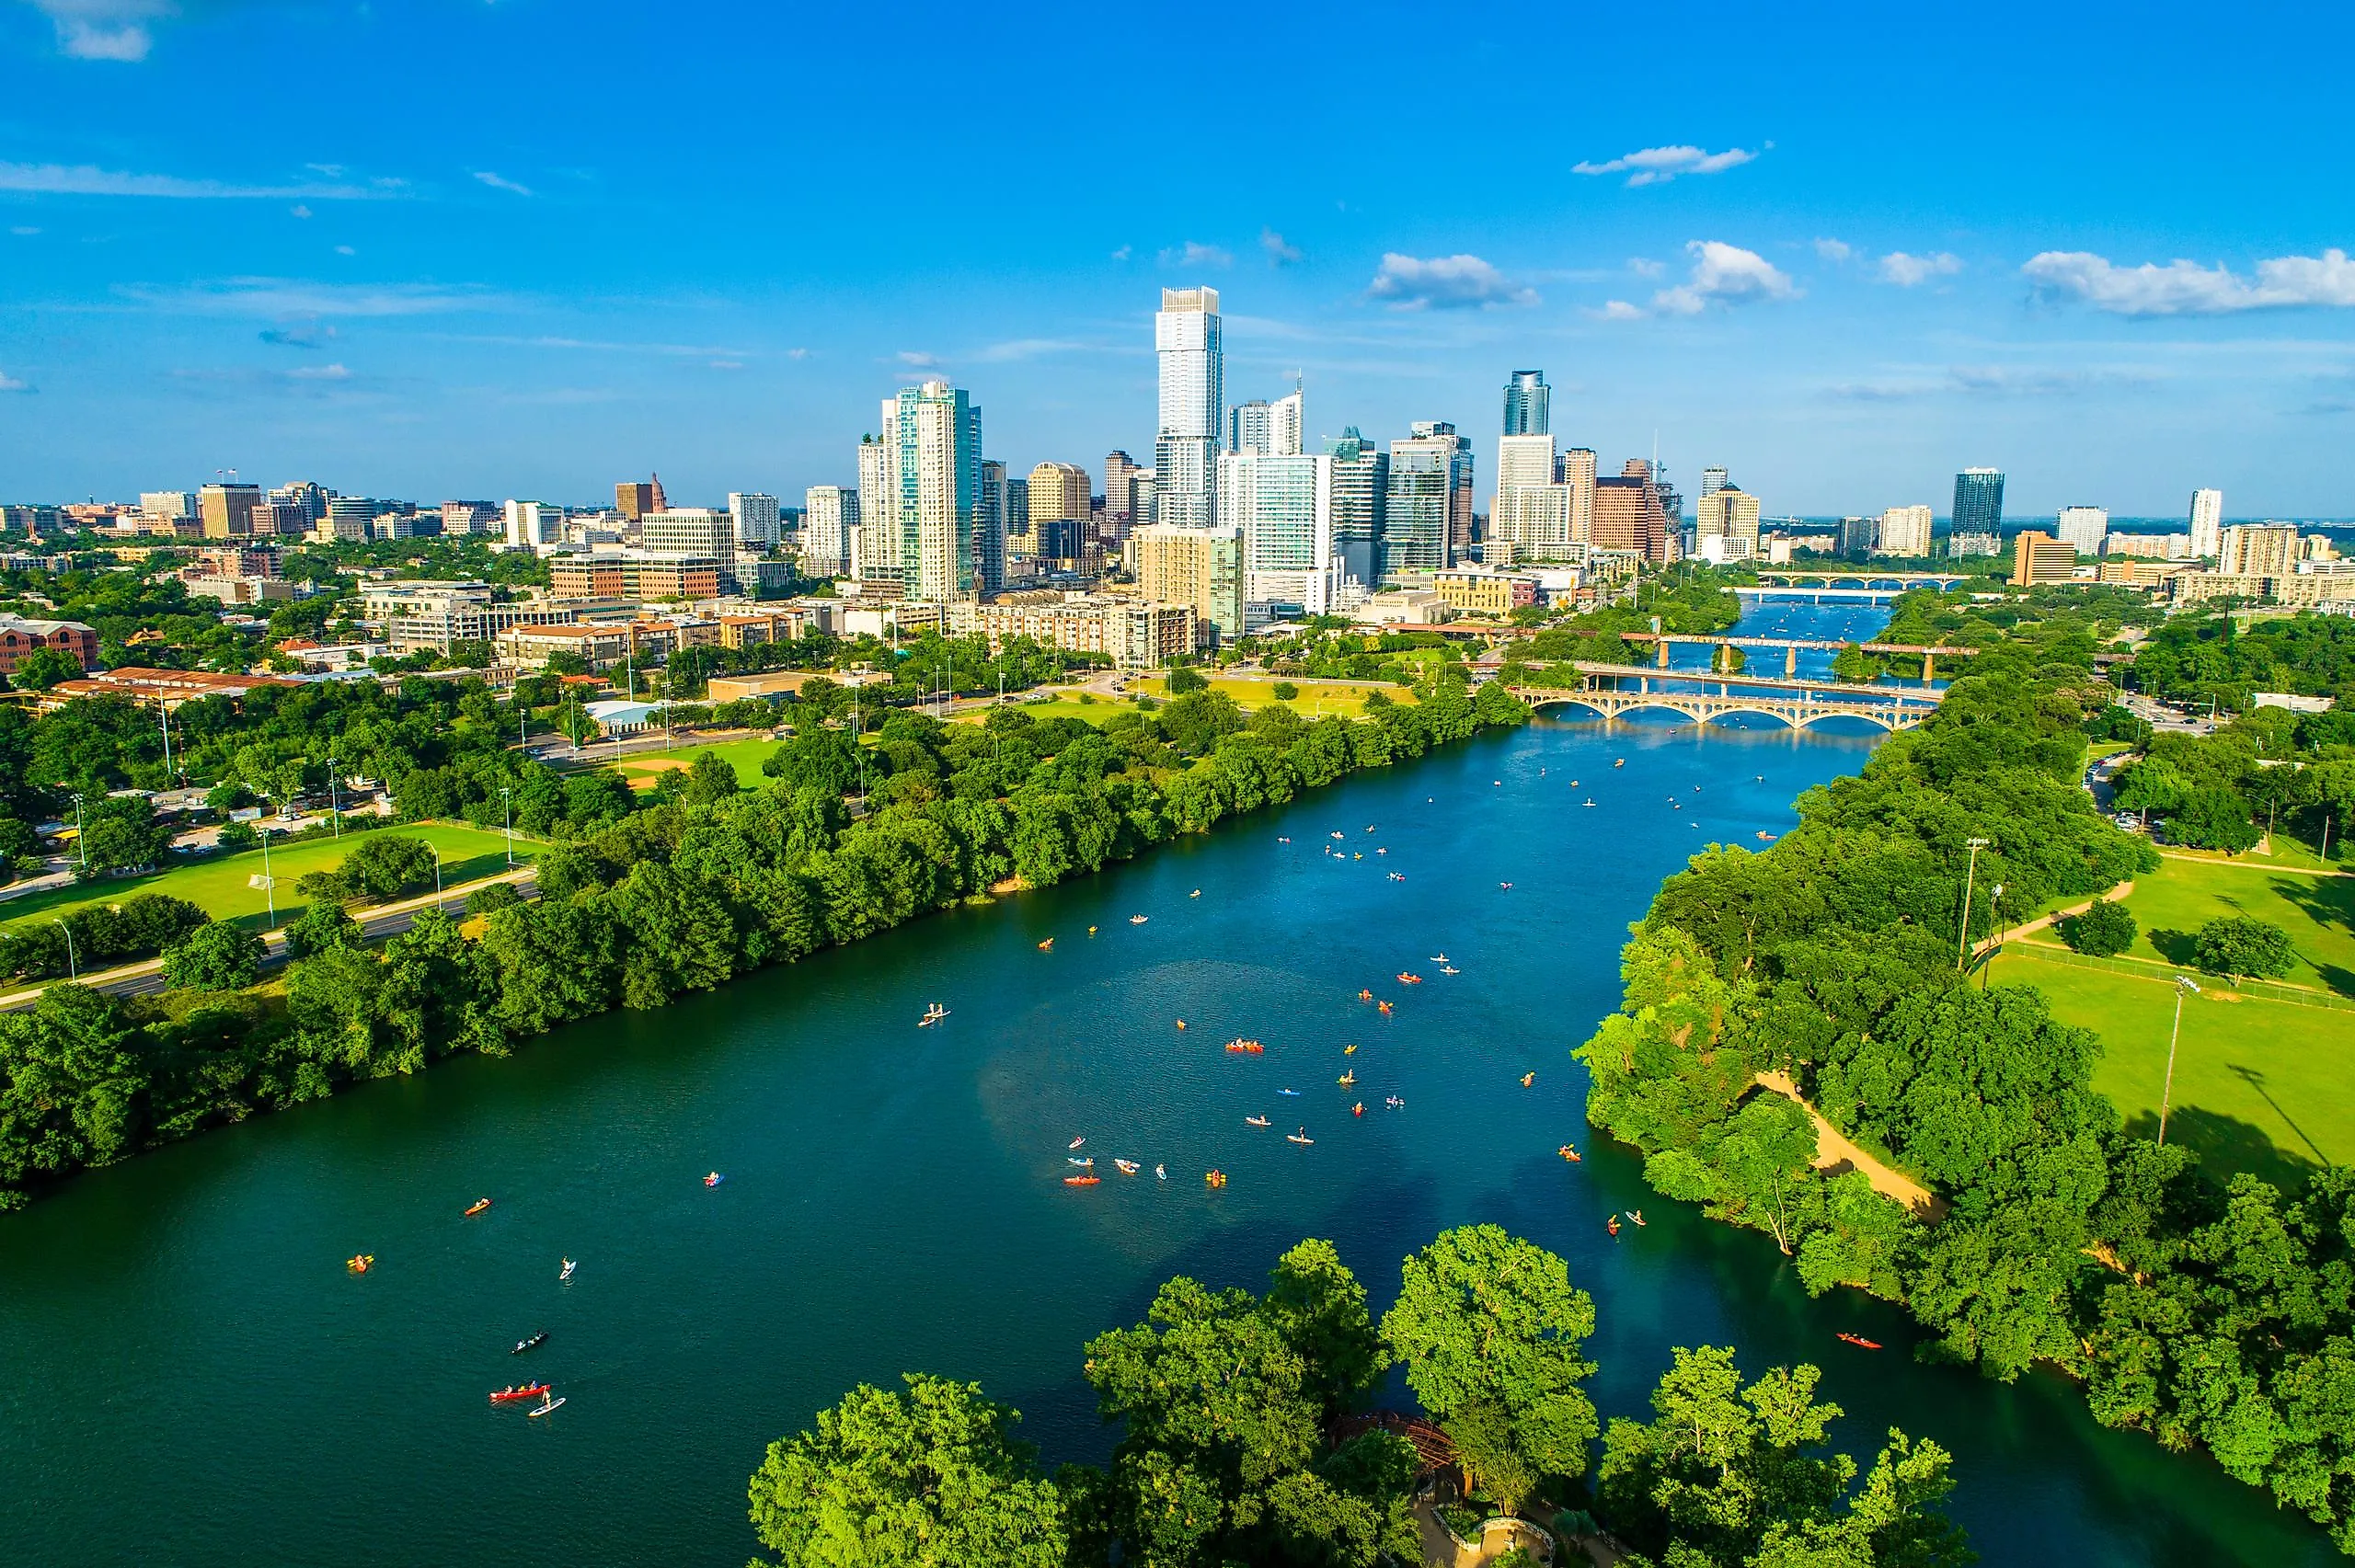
{"x":2318,"y":912}
{"x":217,"y":884}
{"x":644,"y":770}
{"x":1317,"y":699}
{"x":2282,"y":849}
{"x":1095,"y":711}
{"x":2261,"y":1086}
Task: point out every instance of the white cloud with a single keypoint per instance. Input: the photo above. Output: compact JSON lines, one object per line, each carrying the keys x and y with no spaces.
{"x":2186,"y":288}
{"x":331,"y":171}
{"x":106,"y":29}
{"x":1026,"y":348}
{"x":1724,"y":274}
{"x":1645,"y":267}
{"x":87,"y":179}
{"x":345,"y":250}
{"x":1657,"y":165}
{"x":284,"y":299}
{"x":1280,"y":252}
{"x":1996,"y":381}
{"x":1195,"y":254}
{"x":1411,"y":282}
{"x":796,"y":353}
{"x":1905,"y":272}
{"x":728,"y":364}
{"x":500,"y":182}
{"x":300,"y":211}
{"x":319,"y":372}
{"x":1617,"y":310}
{"x":1833,"y":250}
{"x":13,"y":383}
{"x":1124,"y":253}
{"x":24,"y":231}
{"x":917,"y":361}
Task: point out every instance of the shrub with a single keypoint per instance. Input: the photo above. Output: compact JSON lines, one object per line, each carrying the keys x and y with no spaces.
{"x":1284,"y":691}
{"x":2236,"y":945}
{"x":216,"y":955}
{"x":2103,"y":930}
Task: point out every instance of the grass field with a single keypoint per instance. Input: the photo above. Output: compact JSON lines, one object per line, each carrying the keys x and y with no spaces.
{"x":218,"y":885}
{"x":1062,"y":707}
{"x":2318,"y":912}
{"x":1316,"y":700}
{"x":2261,"y":1086}
{"x":643,"y":769}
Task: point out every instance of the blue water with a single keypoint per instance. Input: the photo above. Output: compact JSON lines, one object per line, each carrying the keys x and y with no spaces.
{"x":194,"y":1379}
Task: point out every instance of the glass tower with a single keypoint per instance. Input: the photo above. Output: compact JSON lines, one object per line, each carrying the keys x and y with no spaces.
{"x":1525,"y":400}
{"x":1193,"y":393}
{"x":1978,"y":501}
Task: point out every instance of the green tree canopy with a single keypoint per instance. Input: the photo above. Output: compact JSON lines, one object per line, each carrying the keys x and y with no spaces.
{"x":216,"y":955}
{"x":2236,"y":944}
{"x":2104,"y":929}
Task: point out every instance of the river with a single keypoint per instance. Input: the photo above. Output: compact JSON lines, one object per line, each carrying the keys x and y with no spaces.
{"x":192,"y":1378}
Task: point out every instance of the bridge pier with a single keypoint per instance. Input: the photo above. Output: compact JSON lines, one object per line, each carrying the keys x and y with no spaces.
{"x":1790,"y":661}
{"x":1929,"y":668}
{"x":1663,"y":647}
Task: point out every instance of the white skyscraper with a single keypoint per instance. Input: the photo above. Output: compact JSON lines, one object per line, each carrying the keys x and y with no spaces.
{"x":1905,"y":530}
{"x":940,"y":429}
{"x":1283,"y":505}
{"x":2207,"y":522}
{"x":830,"y":515}
{"x":533,"y":524}
{"x":2082,"y":527}
{"x":874,"y":539}
{"x":1193,"y":393}
{"x":1286,"y":420}
{"x":756,"y":517}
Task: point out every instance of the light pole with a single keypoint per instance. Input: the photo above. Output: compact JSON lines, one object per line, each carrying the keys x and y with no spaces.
{"x":1995,"y":908}
{"x":2183,"y":984}
{"x":269,"y":883}
{"x":437,"y":877}
{"x":1962,"y":937}
{"x":507,"y":798}
{"x":81,"y":839}
{"x":334,"y":801}
{"x":73,"y":970}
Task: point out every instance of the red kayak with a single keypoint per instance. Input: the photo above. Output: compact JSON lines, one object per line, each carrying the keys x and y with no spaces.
{"x":1081,"y":1181}
{"x":512,"y":1394}
{"x":1860,"y":1341}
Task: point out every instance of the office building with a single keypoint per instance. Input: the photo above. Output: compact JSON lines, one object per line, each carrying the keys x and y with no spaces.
{"x":1283,"y":508}
{"x":2258,"y":550}
{"x":1526,"y":411}
{"x":759,"y":523}
{"x":1247,"y":429}
{"x":1021,"y":545}
{"x":1856,"y":537}
{"x":1576,"y":467}
{"x":1978,"y":501}
{"x":1974,"y":544}
{"x":2038,"y":558}
{"x":1725,"y":524}
{"x":992,"y":550}
{"x":469,"y":517}
{"x":2149,"y":547}
{"x":349,"y":518}
{"x":940,"y":429}
{"x":1713,"y":479}
{"x":532,"y":525}
{"x":1287,"y":424}
{"x":1477,"y":590}
{"x":706,"y":532}
{"x":1358,"y":485}
{"x":227,"y":510}
{"x":309,"y":498}
{"x":2207,"y":523}
{"x":1133,"y":635}
{"x":1200,"y":568}
{"x":1118,"y":505}
{"x":2083,"y":529}
{"x":1419,"y":503}
{"x":829,"y":517}
{"x":1904,"y":531}
{"x":1193,"y":392}
{"x":634,"y":500}
{"x":1059,"y":491}
{"x":166,"y":508}
{"x":1628,"y":516}
{"x":1145,"y":492}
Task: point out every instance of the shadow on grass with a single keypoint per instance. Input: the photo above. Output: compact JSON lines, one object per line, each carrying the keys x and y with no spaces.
{"x":2180,"y":948}
{"x":2226,"y":1145}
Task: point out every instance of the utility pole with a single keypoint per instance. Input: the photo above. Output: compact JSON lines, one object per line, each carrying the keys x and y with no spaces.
{"x":334,"y":800}
{"x":73,"y":968}
{"x":269,"y":883}
{"x":1962,"y":937}
{"x":2183,"y":983}
{"x":81,"y":839}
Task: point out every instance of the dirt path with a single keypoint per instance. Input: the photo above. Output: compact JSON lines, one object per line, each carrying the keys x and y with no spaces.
{"x":2116,"y":894}
{"x":1834,"y":1153}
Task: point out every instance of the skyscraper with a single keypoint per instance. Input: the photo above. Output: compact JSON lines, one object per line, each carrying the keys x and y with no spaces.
{"x":989,"y":537}
{"x":756,"y":517}
{"x":875,"y":538}
{"x":1629,"y":515}
{"x":829,"y":517}
{"x":940,"y":489}
{"x":1199,"y":566}
{"x":1247,"y":429}
{"x":1526,"y":395}
{"x":1359,"y":487}
{"x":1287,"y":424}
{"x":228,"y":509}
{"x":634,"y":500}
{"x":1978,"y":501}
{"x":1713,"y":479}
{"x":1725,"y":524}
{"x":1429,"y":501}
{"x":1283,"y":506}
{"x":1904,"y":530}
{"x":2207,"y":522}
{"x":1578,"y":475}
{"x":1118,"y":467}
{"x":1193,"y":391}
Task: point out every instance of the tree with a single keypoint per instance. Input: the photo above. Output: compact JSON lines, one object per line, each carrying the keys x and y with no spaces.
{"x":1182,"y":680}
{"x":2104,"y":929}
{"x":2213,"y":818}
{"x":73,"y":1087}
{"x":1729,"y":1475}
{"x":710,"y":779}
{"x":216,"y":955}
{"x":1493,"y":1334}
{"x":44,"y":668}
{"x":931,"y":1479}
{"x":384,"y":866}
{"x":1284,"y":691}
{"x":2236,"y":945}
{"x":319,"y":927}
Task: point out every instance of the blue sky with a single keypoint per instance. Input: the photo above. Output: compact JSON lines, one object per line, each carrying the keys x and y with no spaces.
{"x":455,"y":250}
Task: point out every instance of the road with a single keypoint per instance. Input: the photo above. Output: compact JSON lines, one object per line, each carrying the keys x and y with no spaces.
{"x":147,"y":977}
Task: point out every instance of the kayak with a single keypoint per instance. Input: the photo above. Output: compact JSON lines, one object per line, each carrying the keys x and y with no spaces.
{"x":1081,"y":1181}
{"x":512,"y":1393}
{"x":533,"y":1343}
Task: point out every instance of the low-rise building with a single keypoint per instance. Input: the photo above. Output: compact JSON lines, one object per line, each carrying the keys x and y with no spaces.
{"x":1412,"y":607}
{"x":637,"y":575}
{"x":602,"y":646}
{"x":783,"y":682}
{"x":1473,"y":590}
{"x":2038,"y":558}
{"x":19,"y":637}
{"x":434,"y":614}
{"x":902,"y":617}
{"x":158,"y":688}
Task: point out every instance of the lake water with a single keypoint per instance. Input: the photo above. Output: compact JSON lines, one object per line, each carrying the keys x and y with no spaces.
{"x":192,"y":1378}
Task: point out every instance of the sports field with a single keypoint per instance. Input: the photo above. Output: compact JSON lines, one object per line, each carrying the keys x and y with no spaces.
{"x":643,"y":769}
{"x":1317,"y":699}
{"x":221,"y":884}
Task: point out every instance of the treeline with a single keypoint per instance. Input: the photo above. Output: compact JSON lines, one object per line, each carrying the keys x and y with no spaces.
{"x":2268,"y":768}
{"x":2210,"y":658}
{"x":1237,"y":1444}
{"x":2206,"y":1316}
{"x":642,"y":907}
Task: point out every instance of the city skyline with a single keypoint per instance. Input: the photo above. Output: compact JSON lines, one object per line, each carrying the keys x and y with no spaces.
{"x":1842,"y":306}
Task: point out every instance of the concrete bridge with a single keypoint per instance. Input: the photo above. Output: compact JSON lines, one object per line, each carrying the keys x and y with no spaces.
{"x":1927,"y":653}
{"x":1801,"y":576}
{"x":1606,"y":689}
